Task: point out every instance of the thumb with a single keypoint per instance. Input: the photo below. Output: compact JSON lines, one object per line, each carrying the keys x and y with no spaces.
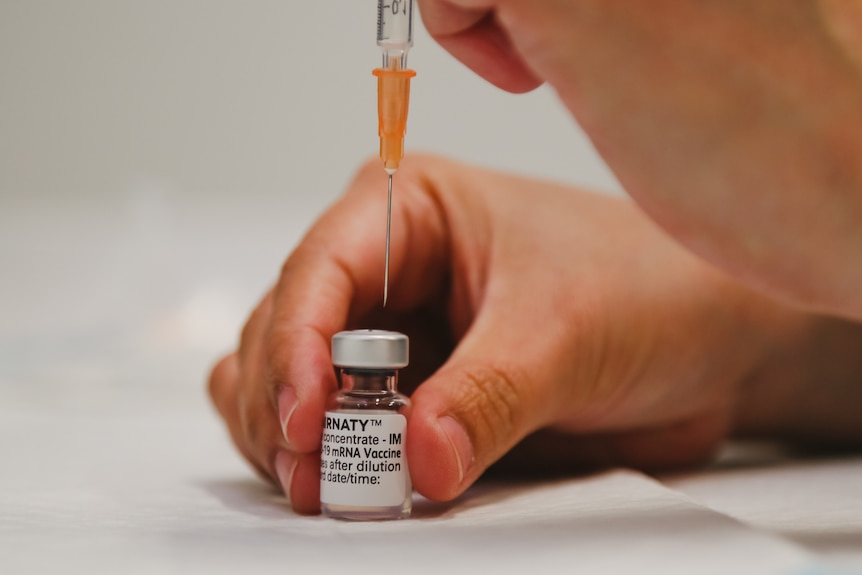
{"x":467,"y":416}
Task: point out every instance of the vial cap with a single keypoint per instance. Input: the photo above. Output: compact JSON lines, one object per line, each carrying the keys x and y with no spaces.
{"x":370,"y":349}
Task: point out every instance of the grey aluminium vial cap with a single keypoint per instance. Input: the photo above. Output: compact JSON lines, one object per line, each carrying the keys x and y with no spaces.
{"x":370,"y":349}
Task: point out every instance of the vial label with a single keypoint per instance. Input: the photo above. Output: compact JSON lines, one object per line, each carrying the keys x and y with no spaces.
{"x":362,"y":460}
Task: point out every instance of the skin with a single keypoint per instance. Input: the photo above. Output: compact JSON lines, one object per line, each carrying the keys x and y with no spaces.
{"x":733,"y":124}
{"x":554,"y":325}
{"x":553,"y":328}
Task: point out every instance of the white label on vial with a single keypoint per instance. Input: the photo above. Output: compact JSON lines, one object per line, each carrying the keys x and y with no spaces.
{"x":362,"y":459}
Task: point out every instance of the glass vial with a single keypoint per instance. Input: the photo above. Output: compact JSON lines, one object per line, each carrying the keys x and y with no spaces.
{"x":363,"y":466}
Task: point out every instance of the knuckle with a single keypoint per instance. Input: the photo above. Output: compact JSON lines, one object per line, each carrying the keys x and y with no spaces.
{"x":256,"y":440}
{"x":276,"y":348}
{"x":250,"y":329}
{"x":492,"y":400}
{"x":294,"y":262}
{"x":259,"y":433}
{"x":251,"y":426}
{"x":255,"y":327}
{"x":282,"y":349}
{"x":247,"y":333}
{"x":220,"y":377}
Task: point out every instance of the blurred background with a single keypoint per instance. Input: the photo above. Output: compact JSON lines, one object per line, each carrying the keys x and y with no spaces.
{"x":159,"y":159}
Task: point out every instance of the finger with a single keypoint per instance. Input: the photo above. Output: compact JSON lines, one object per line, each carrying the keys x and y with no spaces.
{"x":251,"y":416}
{"x":253,"y":332}
{"x":259,"y":424}
{"x":336,"y":274}
{"x":473,"y":36}
{"x":447,"y":17}
{"x":223,"y":389}
{"x":299,"y":475}
{"x":254,"y":424}
{"x":259,"y":432}
{"x":684,"y":444}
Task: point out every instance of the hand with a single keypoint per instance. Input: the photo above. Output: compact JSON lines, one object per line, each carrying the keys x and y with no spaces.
{"x":572,"y":314}
{"x":732,"y":123}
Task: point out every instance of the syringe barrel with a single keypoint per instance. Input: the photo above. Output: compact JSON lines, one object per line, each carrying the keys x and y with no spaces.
{"x":394,"y":30}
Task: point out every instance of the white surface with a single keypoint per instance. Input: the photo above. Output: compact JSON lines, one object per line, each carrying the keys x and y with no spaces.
{"x":138,"y":481}
{"x":816,"y":504}
{"x":161,"y":491}
{"x":157,"y":161}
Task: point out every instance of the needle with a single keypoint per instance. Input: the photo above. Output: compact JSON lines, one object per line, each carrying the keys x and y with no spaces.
{"x":388,"y":224}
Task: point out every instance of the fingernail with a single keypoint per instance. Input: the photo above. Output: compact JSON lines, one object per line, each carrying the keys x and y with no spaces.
{"x":286,"y":407}
{"x":285,"y":464}
{"x":460,"y":442}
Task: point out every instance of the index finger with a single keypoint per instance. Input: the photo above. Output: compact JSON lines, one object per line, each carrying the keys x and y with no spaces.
{"x":469,"y":30}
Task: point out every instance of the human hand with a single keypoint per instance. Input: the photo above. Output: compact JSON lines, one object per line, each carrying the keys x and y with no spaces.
{"x":572,"y":314}
{"x":733,"y":124}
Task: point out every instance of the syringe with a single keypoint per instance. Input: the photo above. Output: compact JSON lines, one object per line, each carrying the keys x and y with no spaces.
{"x":395,"y":38}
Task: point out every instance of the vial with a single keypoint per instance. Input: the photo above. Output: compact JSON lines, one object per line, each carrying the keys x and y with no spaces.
{"x":363,"y":466}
